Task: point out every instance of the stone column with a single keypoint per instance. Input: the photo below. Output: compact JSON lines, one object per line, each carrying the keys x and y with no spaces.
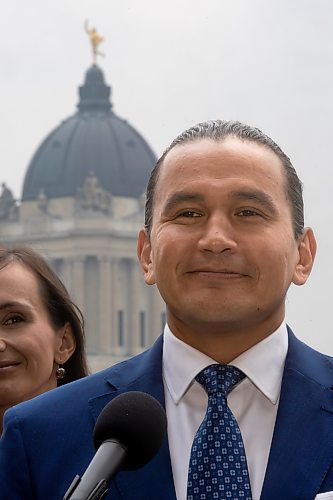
{"x":134,"y":307}
{"x":78,"y":282}
{"x":113,"y":305}
{"x":66,"y":274}
{"x":105,"y":304}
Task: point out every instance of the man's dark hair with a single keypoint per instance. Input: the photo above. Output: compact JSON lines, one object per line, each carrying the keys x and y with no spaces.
{"x":217,"y":130}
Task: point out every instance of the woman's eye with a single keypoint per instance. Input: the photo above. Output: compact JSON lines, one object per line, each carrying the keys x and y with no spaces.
{"x":13,"y":320}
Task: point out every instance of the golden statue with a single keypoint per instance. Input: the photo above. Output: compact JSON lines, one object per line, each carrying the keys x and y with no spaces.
{"x":95,"y":40}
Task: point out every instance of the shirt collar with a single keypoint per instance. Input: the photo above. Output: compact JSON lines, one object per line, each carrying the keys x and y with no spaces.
{"x":262,"y":364}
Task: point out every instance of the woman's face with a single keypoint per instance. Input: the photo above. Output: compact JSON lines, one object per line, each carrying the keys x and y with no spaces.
{"x":30,"y":346}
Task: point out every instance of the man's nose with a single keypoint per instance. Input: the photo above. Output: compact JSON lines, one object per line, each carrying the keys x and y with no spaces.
{"x":2,"y":345}
{"x":218,"y":236}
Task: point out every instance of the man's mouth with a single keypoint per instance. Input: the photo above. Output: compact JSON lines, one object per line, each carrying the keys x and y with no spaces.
{"x":223,"y":273}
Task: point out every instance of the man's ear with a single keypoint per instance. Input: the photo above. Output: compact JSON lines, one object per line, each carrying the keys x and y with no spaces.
{"x":144,"y":253}
{"x":307,"y":251}
{"x":65,"y":344}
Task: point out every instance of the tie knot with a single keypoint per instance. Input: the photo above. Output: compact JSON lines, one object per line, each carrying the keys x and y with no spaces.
{"x":219,"y":378}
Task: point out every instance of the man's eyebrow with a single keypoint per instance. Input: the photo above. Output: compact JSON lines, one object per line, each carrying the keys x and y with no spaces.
{"x":257,"y":195}
{"x":180,"y":197}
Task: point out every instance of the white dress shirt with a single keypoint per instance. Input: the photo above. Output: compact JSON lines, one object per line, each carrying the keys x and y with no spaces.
{"x":253,"y":402}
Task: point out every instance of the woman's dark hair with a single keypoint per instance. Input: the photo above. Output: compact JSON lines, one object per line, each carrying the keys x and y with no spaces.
{"x":58,"y":303}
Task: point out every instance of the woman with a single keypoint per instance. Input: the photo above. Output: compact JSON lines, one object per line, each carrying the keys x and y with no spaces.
{"x":41,"y":329}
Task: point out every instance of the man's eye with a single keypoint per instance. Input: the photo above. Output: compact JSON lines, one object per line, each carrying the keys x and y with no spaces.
{"x":189,"y":214}
{"x":13,"y":320}
{"x":248,"y":213}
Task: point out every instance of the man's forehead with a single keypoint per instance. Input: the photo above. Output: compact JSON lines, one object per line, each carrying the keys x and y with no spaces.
{"x":196,"y":162}
{"x":197,"y":152}
{"x":198,"y":146}
{"x":202,"y":147}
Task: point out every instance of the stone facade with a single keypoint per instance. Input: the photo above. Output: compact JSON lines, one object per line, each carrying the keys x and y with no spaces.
{"x":95,"y":256}
{"x":82,"y":207}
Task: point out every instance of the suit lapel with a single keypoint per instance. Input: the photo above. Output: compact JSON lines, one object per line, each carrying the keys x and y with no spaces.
{"x":300,"y":455}
{"x":143,"y":373}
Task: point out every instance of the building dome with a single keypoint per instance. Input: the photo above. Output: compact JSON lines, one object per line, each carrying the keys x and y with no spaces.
{"x":94,"y":140}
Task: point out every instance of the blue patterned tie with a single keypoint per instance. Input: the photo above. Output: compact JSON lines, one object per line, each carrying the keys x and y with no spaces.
{"x":218,"y":468}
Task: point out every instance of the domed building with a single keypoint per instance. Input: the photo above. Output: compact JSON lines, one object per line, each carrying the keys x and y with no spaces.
{"x":94,"y":139}
{"x":82,"y":207}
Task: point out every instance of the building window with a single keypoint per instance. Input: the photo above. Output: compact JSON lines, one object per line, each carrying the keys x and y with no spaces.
{"x":163,"y":320}
{"x":142,"y":329}
{"x":121,"y":339}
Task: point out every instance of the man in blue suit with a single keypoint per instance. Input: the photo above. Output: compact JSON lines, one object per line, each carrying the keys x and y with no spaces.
{"x":224,"y":238}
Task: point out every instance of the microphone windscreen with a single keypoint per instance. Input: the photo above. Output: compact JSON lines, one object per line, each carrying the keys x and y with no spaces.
{"x":137,"y":421}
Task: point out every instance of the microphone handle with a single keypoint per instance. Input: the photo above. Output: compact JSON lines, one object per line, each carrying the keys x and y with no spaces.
{"x":94,"y":483}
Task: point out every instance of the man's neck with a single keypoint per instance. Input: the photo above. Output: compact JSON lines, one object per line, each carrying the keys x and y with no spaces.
{"x":223,"y":345}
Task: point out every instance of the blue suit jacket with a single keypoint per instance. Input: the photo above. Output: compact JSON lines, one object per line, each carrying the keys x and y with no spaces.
{"x":48,"y":440}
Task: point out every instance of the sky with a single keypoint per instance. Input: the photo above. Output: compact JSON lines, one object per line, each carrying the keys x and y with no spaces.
{"x":173,"y":64}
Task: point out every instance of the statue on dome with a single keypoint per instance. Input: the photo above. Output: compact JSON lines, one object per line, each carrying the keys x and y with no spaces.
{"x":92,"y":196}
{"x":42,"y":201}
{"x":95,"y":40}
{"x":8,"y":207}
{"x":91,"y":187}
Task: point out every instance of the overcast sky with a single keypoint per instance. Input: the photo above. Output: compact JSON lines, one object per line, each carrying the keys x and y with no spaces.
{"x":172,"y":64}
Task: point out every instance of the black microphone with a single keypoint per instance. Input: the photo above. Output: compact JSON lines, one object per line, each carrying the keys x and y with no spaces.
{"x":128,"y":434}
